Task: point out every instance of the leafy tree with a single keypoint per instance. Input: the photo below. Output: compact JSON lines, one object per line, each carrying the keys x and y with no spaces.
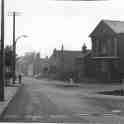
{"x":8,"y":56}
{"x":8,"y":61}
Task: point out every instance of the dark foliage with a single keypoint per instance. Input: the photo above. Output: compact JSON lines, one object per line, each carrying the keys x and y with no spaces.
{"x":8,"y":56}
{"x":8,"y":62}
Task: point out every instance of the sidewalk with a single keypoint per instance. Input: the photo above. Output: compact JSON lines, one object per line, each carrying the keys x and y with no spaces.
{"x":10,"y":92}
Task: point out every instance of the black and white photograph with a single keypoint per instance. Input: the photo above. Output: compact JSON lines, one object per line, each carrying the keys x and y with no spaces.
{"x":62,"y":61}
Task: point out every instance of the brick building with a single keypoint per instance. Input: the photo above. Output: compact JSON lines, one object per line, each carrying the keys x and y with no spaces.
{"x":64,"y":63}
{"x":83,"y":64}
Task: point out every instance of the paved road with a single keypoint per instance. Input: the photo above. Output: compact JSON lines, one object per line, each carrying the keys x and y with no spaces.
{"x":44,"y":101}
{"x":32,"y":103}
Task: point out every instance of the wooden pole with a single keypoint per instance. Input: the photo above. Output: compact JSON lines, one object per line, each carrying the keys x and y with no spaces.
{"x":14,"y":49}
{"x":2,"y":71}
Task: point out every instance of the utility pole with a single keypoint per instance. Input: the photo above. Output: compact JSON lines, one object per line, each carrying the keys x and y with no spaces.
{"x":14,"y":48}
{"x":14,"y":14}
{"x":2,"y":71}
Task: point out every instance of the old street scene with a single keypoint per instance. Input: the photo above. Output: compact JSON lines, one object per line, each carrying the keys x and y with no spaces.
{"x":62,"y":62}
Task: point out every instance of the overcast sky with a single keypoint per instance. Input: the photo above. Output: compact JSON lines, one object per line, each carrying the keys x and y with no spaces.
{"x":50,"y":23}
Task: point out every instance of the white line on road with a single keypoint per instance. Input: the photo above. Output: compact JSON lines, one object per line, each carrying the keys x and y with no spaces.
{"x":84,"y":114}
{"x":107,"y":114}
{"x":59,"y":116}
{"x":116,"y":111}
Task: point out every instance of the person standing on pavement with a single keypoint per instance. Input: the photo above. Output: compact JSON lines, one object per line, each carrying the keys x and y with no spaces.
{"x":20,"y":78}
{"x":71,"y":78}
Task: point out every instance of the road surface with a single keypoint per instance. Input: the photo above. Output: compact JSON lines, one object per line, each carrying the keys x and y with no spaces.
{"x":44,"y":101}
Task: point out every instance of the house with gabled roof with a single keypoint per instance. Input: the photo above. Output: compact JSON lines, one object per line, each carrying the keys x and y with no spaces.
{"x":108,"y":50}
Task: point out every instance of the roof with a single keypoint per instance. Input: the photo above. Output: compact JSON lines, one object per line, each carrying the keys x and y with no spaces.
{"x":71,"y":53}
{"x":68,"y":55}
{"x":116,"y":26}
{"x":84,"y":54}
{"x":108,"y":27}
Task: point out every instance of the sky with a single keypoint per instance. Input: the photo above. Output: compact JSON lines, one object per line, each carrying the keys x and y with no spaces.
{"x":49,"y":23}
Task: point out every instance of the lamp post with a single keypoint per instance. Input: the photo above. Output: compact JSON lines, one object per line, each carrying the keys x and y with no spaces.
{"x":14,"y":55}
{"x":24,"y":36}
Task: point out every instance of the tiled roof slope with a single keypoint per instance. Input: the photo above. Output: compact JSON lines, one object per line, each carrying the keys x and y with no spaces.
{"x":68,"y":56}
{"x":116,"y":26}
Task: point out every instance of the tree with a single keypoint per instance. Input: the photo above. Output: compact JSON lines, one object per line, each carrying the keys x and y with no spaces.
{"x":8,"y":56}
{"x":8,"y":62}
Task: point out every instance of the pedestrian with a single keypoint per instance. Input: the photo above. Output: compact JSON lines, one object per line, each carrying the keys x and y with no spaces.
{"x":20,"y":78}
{"x":71,"y":81}
{"x":71,"y":78}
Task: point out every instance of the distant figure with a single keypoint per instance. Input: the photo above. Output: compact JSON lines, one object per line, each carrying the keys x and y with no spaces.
{"x":20,"y":78}
{"x":71,"y":78}
{"x":71,"y":81}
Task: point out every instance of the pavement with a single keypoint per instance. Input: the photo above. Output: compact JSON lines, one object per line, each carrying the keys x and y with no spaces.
{"x":9,"y":93}
{"x":54,"y":101}
{"x":32,"y":104}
